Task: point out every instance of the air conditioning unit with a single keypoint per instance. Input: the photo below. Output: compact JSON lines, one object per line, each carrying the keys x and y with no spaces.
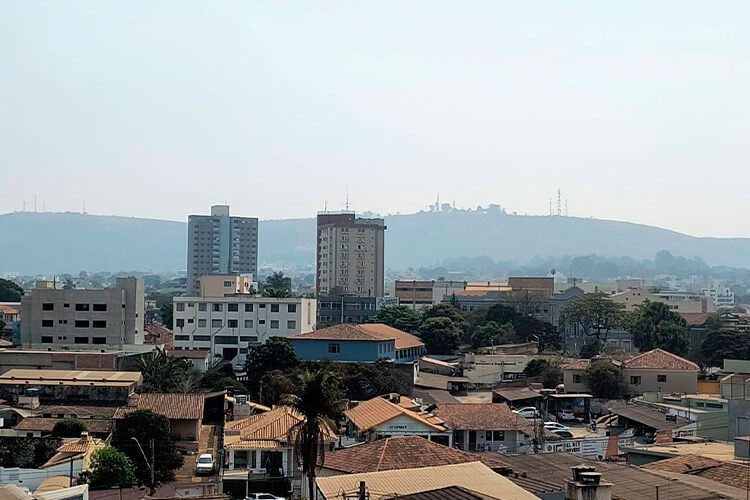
{"x":241,"y":399}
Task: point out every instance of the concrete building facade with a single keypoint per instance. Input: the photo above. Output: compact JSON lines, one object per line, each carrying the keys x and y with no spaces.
{"x":350,"y":255}
{"x":84,"y":318}
{"x":220,"y":244}
{"x":227,"y":326}
{"x":422,"y":294}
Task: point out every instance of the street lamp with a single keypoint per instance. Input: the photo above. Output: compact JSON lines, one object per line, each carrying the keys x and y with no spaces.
{"x":150,"y":465}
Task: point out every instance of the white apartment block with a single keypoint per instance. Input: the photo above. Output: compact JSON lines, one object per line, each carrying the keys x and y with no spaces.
{"x":722,"y":296}
{"x":227,"y":326}
{"x":350,"y":255}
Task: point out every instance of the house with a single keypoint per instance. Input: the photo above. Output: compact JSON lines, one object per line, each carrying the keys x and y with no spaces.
{"x":8,"y":314}
{"x":70,"y":385}
{"x":358,"y":343}
{"x":652,"y":371}
{"x":54,"y":488}
{"x":80,"y":449}
{"x":200,"y":359}
{"x":401,"y":452}
{"x":486,"y":427}
{"x":393,"y":415}
{"x":446,"y":481}
{"x":42,"y":427}
{"x":184,"y":411}
{"x":261,"y":447}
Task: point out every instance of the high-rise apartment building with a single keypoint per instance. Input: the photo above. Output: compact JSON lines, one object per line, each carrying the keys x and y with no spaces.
{"x":350,"y":255}
{"x":220,"y":244}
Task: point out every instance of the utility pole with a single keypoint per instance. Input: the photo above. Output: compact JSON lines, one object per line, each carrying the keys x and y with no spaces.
{"x":153,"y":463}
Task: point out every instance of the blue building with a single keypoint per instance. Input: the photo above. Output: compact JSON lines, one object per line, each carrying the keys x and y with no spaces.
{"x":365,"y":343}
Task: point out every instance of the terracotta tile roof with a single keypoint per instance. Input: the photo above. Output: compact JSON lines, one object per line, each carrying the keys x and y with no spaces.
{"x":173,"y":406}
{"x":366,"y":332}
{"x":8,"y":309}
{"x":41,"y":424}
{"x":265,"y":429}
{"x":378,"y":410}
{"x":481,"y":417}
{"x":403,"y":452}
{"x":80,"y":411}
{"x":158,"y":335}
{"x":398,"y":483}
{"x":659,"y":359}
{"x":81,"y":445}
{"x":188,"y":353}
{"x":728,"y":473}
{"x":577,"y":364}
{"x":683,"y":463}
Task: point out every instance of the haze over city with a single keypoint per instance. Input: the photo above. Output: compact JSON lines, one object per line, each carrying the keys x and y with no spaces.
{"x":636,"y":111}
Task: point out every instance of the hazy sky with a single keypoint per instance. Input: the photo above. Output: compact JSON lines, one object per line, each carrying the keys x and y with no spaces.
{"x":637,"y":110}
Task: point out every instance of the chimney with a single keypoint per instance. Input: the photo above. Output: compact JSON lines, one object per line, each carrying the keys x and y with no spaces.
{"x":587,"y":484}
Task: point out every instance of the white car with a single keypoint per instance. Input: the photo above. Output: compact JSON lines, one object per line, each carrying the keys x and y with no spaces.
{"x":566,"y":415}
{"x":263,"y":496}
{"x":204,"y":464}
{"x":527,"y":412}
{"x":563,"y":433}
{"x":555,"y":426}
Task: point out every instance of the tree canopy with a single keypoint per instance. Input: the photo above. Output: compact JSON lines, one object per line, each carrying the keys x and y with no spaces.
{"x":109,"y":468}
{"x":401,"y":317}
{"x":655,"y":325}
{"x":162,"y":373}
{"x":10,"y":291}
{"x":274,"y":353}
{"x":595,"y":314}
{"x":69,"y":428}
{"x":604,"y":380}
{"x":440,"y":335}
{"x":721,"y":344}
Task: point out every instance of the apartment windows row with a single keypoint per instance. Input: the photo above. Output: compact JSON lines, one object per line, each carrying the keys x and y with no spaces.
{"x":82,"y":307}
{"x":233,"y":323}
{"x":218,"y":339}
{"x":219,"y":307}
{"x":79,"y":323}
{"x":50,"y":339}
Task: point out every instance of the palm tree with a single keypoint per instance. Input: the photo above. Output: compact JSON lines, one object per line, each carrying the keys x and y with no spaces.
{"x":319,"y":402}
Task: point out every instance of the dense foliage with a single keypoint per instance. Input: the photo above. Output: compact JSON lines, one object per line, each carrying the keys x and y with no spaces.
{"x":69,"y":428}
{"x":110,"y":468}
{"x":10,"y":291}
{"x":403,"y":318}
{"x":26,"y":452}
{"x":655,"y":325}
{"x":605,"y":380}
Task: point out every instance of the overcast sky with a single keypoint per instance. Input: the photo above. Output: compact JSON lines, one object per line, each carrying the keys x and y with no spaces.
{"x":637,"y":110}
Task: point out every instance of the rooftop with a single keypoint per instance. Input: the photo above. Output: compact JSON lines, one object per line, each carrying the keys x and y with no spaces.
{"x":266,"y":430}
{"x":42,"y":424}
{"x":19,"y":376}
{"x":436,"y":381}
{"x":649,"y":417}
{"x":516,"y":393}
{"x":368,"y":332}
{"x":482,"y":417}
{"x":728,"y":473}
{"x":708,"y":449}
{"x":189,"y":353}
{"x":74,"y":449}
{"x":403,"y":452}
{"x":378,"y":410}
{"x":174,"y":406}
{"x":388,"y":484}
{"x":659,"y":359}
{"x":447,"y":493}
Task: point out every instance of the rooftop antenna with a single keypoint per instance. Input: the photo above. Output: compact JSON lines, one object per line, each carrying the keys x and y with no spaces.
{"x":84,"y":207}
{"x":566,"y":208}
{"x":437,"y":201}
{"x":325,"y":206}
{"x":347,"y":197}
{"x":559,"y":202}
{"x":550,"y":206}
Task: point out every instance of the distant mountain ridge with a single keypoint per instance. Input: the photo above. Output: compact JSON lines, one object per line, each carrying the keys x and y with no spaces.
{"x":69,"y":242}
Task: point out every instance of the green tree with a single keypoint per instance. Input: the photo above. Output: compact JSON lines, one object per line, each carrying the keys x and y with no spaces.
{"x":276,"y":293}
{"x":403,"y":318}
{"x":502,"y":314}
{"x":69,"y":428}
{"x":10,"y":291}
{"x":274,"y":353}
{"x":440,"y":335}
{"x":536,"y":367}
{"x":447,"y":311}
{"x":148,"y":428}
{"x":528,"y":328}
{"x":552,"y":376}
{"x":162,"y":373}
{"x":278,"y":281}
{"x":604,"y":380}
{"x":362,"y":381}
{"x":654,"y":325}
{"x":68,"y":284}
{"x":274,"y":385}
{"x":591,"y":348}
{"x":492,"y":333}
{"x":318,"y":399}
{"x":719,"y":345}
{"x":110,"y":467}
{"x":27,"y":452}
{"x":595,"y":314}
{"x":166,"y":314}
{"x":220,"y":376}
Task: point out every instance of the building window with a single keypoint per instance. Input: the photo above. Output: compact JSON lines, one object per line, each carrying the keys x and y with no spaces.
{"x":217,"y":323}
{"x":182,"y":337}
{"x":48,"y":323}
{"x":179,"y":323}
{"x":99,"y":340}
{"x":233,"y":323}
{"x":225,"y":339}
{"x":202,"y":338}
{"x":274,"y":308}
{"x":100,"y":307}
{"x":262,"y":306}
{"x":48,"y":306}
{"x":661,"y":378}
{"x":201,"y":323}
{"x":576,"y":378}
{"x":248,"y":323}
{"x":227,"y":283}
{"x":191,"y":321}
{"x":291,"y":324}
{"x":233,"y":308}
{"x":275,"y":324}
{"x":82,"y":307}
{"x":82,"y":323}
{"x":261,"y":322}
{"x":498,"y":435}
{"x":291,"y":308}
{"x":66,"y":305}
{"x":248,"y":308}
{"x":202,"y":307}
{"x":217,"y":307}
{"x":81,"y":340}
{"x":334,"y":348}
{"x":180,"y":306}
{"x":99,"y":323}
{"x":635,"y":380}
{"x":47,"y":339}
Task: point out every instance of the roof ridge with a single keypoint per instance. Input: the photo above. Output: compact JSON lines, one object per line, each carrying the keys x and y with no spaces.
{"x":382,"y":453}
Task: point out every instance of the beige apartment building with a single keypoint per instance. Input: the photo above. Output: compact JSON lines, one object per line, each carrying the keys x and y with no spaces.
{"x":220,"y":285}
{"x":350,"y":255}
{"x":93,"y":318}
{"x":678,"y":301}
{"x":421,"y":294}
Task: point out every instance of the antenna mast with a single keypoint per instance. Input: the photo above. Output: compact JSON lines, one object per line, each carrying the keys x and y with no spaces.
{"x":559,"y":202}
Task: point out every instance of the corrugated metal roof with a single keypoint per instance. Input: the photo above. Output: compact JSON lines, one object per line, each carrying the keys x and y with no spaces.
{"x":382,"y":485}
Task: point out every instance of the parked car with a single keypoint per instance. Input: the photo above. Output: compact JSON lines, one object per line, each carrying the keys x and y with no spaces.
{"x":204,"y":464}
{"x":555,"y":426}
{"x":263,"y":496}
{"x":566,"y":415}
{"x":527,"y":412}
{"x":563,"y":433}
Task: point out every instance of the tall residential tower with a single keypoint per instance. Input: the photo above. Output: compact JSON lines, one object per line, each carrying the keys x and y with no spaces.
{"x":220,"y":244}
{"x":350,"y":255}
